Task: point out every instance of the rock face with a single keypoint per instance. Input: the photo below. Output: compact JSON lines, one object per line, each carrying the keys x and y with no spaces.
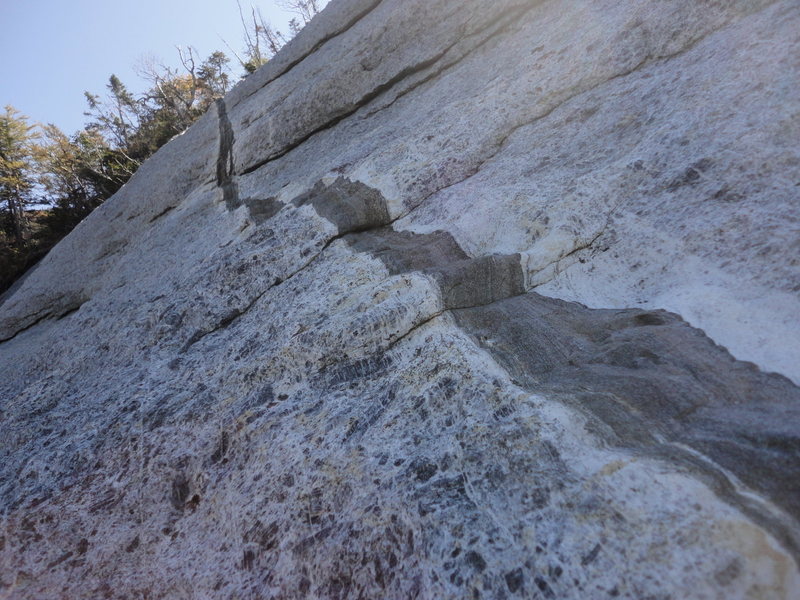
{"x":391,"y":321}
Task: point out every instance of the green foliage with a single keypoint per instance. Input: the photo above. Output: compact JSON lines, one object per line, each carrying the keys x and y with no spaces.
{"x":138,"y":126}
{"x":16,"y":180}
{"x":78,"y":173}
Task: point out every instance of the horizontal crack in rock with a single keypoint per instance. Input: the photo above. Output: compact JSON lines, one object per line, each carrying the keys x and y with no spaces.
{"x":501,"y":24}
{"x":48,"y":314}
{"x":503,"y":138}
{"x":334,"y":34}
{"x":378,"y":91}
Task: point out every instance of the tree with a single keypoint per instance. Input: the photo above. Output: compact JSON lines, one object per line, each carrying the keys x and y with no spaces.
{"x":16,"y":179}
{"x":135,"y":127}
{"x":183,"y":95}
{"x":214,"y":75}
{"x":118,"y":114}
{"x":305,"y":9}
{"x":78,"y":173}
{"x":262,"y":41}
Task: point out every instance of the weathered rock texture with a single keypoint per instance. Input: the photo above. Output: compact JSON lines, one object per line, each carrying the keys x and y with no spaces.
{"x":328,"y":342}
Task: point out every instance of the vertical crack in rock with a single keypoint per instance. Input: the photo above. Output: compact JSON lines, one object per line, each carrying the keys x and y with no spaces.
{"x":225,"y":170}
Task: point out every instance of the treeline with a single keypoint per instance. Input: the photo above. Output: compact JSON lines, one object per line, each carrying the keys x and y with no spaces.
{"x":65,"y":177}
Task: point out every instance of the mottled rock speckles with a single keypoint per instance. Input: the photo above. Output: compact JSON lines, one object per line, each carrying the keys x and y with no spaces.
{"x":429,"y":307}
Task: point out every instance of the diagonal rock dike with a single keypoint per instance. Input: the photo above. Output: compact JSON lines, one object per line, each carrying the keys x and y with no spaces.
{"x":649,"y":382}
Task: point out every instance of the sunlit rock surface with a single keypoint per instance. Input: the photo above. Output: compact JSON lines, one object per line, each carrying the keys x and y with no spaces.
{"x":449,"y":300}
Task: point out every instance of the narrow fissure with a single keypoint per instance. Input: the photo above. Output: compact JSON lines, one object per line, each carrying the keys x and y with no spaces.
{"x":225,"y":174}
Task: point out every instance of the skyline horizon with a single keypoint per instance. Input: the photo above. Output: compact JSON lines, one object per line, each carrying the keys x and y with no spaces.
{"x":22,"y":86}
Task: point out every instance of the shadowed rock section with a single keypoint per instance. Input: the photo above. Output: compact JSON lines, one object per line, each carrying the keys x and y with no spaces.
{"x":463,"y":281}
{"x":653,"y":384}
{"x":657,"y":386}
{"x":351,"y":206}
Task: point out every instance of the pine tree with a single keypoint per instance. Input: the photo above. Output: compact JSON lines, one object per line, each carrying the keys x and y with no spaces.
{"x":16,"y":172}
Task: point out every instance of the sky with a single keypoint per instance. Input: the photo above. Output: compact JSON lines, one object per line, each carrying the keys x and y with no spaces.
{"x":51,"y":51}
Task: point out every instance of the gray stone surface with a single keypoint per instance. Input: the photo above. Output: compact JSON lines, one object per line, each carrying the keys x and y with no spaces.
{"x":328,"y":342}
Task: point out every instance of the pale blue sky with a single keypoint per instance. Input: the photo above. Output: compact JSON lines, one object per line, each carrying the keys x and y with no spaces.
{"x":53,"y":50}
